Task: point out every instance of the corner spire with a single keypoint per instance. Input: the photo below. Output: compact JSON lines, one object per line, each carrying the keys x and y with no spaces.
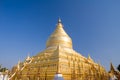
{"x":18,"y":65}
{"x":89,"y":57}
{"x":112,"y":67}
{"x":28,"y":57}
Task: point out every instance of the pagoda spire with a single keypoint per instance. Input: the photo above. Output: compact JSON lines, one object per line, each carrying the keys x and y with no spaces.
{"x":59,"y":37}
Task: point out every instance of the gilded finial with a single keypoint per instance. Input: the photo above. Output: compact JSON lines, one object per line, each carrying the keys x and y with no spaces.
{"x":58,"y":69}
{"x":59,"y":20}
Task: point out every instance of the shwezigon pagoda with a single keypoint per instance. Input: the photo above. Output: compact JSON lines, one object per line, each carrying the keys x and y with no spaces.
{"x":58,"y":57}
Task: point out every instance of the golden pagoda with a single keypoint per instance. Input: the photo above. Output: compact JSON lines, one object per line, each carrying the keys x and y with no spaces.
{"x":58,"y":57}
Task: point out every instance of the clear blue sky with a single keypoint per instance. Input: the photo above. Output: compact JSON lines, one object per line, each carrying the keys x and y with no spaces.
{"x":94,"y":26}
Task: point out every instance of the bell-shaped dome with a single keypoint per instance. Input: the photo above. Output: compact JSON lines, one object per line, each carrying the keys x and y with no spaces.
{"x":59,"y":37}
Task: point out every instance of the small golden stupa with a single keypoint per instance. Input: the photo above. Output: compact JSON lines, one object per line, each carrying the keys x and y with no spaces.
{"x":58,"y":57}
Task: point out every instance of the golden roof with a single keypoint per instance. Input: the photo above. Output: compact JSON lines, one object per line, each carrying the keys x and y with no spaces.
{"x":59,"y":37}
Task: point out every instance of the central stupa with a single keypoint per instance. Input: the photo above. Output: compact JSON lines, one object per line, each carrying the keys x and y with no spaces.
{"x":58,"y":58}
